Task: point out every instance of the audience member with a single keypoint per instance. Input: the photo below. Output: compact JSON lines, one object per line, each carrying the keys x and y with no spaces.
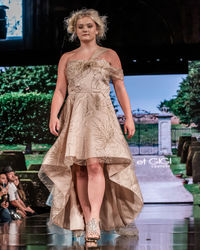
{"x":15,"y":201}
{"x":5,"y":215}
{"x":20,"y":190}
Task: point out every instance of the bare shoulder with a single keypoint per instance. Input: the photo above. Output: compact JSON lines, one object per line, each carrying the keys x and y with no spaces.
{"x":112,"y":56}
{"x":111,"y":52}
{"x":65,"y":56}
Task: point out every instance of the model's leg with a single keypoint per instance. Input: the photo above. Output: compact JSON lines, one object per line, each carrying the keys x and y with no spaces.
{"x":96,"y":186}
{"x":82,"y":189}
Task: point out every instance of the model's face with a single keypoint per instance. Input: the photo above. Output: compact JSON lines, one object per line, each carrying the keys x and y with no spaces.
{"x":3,"y":179}
{"x":86,"y":29}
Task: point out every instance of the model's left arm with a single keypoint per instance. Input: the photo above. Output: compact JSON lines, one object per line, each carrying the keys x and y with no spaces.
{"x":121,"y":93}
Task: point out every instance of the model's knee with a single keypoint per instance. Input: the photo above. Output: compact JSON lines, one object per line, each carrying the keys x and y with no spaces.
{"x":94,"y":169}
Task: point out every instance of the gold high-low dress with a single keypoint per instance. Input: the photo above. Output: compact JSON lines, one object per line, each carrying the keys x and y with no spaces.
{"x":90,"y":129}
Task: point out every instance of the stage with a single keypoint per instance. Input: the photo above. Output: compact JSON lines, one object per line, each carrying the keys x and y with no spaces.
{"x":158,"y":226}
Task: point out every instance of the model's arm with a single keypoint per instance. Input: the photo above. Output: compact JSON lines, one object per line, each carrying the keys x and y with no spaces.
{"x":59,"y":95}
{"x":122,"y":96}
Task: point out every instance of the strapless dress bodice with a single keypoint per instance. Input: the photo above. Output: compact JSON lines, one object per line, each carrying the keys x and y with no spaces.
{"x":90,"y":76}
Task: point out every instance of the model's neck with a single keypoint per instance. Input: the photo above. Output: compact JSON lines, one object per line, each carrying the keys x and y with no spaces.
{"x":90,"y":45}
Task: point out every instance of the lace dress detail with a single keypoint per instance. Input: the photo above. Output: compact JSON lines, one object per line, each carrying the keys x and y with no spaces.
{"x":90,"y":129}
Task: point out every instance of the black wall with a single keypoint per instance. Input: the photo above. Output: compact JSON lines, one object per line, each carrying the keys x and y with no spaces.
{"x":160,"y":35}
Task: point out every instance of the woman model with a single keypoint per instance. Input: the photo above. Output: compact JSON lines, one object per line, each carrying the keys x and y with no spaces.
{"x":89,"y":169}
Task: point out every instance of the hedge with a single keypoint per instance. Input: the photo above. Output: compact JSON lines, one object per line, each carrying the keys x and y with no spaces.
{"x":25,"y":118}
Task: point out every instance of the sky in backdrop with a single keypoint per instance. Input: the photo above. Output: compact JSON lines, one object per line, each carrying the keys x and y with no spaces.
{"x":146,"y":92}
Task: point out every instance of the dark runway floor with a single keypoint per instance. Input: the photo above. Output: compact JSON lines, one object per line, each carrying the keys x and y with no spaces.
{"x":158,"y":226}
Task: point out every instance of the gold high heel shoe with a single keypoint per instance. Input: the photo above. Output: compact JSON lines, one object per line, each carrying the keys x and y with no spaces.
{"x":92,"y":233}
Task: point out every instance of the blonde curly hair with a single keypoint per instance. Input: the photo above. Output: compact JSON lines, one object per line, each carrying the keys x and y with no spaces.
{"x":71,"y":21}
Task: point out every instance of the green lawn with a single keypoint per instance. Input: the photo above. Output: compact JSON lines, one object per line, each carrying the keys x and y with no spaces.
{"x":176,"y":166}
{"x":22,"y":147}
{"x":34,"y":159}
{"x":180,"y":168}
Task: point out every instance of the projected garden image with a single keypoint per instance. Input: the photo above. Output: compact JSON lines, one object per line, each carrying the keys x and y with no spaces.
{"x":26,"y":94}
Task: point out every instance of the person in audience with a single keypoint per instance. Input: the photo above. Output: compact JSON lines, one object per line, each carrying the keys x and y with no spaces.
{"x":15,"y":201}
{"x":5,"y":215}
{"x":20,"y":190}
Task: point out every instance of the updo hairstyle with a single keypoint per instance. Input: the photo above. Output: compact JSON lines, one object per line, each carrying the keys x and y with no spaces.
{"x":71,"y":21}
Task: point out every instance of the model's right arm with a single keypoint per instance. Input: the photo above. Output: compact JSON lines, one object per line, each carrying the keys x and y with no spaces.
{"x":59,"y":95}
{"x":61,"y":87}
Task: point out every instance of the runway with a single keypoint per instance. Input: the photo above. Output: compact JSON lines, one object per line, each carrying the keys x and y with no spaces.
{"x":157,"y":182}
{"x":168,"y":220}
{"x":158,"y":227}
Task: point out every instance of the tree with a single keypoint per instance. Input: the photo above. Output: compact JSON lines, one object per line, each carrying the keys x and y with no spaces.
{"x":186,"y":104}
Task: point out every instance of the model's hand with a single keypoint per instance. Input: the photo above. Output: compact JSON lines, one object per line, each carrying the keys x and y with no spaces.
{"x":54,"y":125}
{"x":130,"y":126}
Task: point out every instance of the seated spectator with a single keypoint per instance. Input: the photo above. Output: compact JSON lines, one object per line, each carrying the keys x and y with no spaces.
{"x":4,"y":212}
{"x":20,"y":190}
{"x":14,"y":199}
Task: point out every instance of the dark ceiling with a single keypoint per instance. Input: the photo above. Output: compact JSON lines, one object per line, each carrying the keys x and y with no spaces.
{"x":150,"y":36}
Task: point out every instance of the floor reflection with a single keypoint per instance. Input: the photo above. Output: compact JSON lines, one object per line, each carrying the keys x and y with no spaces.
{"x":10,"y":234}
{"x":159,"y":226}
{"x":109,"y":240}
